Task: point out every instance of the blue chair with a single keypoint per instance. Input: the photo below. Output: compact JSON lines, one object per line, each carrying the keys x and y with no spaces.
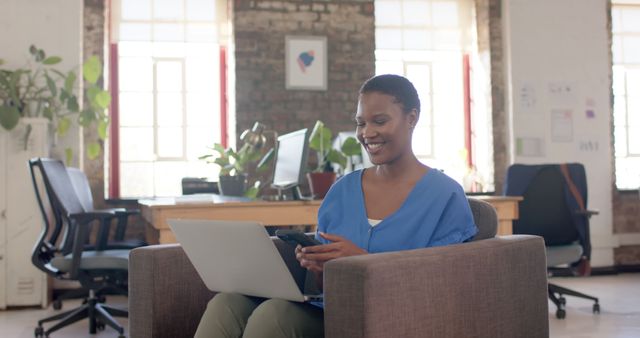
{"x":554,"y":207}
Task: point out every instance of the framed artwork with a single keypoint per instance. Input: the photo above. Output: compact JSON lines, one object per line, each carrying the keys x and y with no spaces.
{"x":306,"y":62}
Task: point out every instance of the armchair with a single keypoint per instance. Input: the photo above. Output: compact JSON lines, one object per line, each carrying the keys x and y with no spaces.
{"x":490,"y":287}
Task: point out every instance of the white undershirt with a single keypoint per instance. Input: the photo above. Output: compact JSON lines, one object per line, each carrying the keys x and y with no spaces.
{"x":374,"y":222}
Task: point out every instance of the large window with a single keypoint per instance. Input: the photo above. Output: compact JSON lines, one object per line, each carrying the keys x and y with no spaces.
{"x":169,"y":80}
{"x":626,"y":91}
{"x":425,"y":40}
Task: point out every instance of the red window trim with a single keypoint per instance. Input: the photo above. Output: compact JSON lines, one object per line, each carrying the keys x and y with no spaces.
{"x":114,"y":125}
{"x":224,"y":131}
{"x":466,"y":82}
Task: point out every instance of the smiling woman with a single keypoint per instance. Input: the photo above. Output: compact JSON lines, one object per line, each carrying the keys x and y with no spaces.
{"x":398,"y":204}
{"x":388,"y":111}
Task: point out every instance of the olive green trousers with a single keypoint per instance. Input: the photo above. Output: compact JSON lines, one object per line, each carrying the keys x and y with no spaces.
{"x":234,"y":315}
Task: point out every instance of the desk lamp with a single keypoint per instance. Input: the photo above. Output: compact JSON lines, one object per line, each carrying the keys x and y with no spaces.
{"x":255,"y":137}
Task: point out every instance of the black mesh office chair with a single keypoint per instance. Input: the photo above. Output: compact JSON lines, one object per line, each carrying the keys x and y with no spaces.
{"x":554,"y":208}
{"x":60,"y":250}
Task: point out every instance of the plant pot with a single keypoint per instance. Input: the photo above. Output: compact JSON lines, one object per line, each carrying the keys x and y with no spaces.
{"x":233,"y":185}
{"x":319,"y":183}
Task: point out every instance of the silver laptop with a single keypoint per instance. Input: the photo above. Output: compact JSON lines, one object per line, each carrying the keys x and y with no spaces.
{"x":237,"y":257}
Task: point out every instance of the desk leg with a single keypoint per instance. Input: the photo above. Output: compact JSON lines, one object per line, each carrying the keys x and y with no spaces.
{"x":505,"y":227}
{"x":151,"y":234}
{"x":167,"y":236}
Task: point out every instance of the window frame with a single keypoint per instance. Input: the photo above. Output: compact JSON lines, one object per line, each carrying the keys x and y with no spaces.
{"x":113,"y":172}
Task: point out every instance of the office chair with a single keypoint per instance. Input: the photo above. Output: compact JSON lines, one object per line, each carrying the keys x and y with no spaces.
{"x":555,"y":197}
{"x":60,"y":249}
{"x":83,"y":191}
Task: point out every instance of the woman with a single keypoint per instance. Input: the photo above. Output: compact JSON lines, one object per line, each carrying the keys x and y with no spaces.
{"x":398,"y":204}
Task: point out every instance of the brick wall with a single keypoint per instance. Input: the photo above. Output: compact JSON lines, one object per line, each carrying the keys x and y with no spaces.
{"x":259,"y":30}
{"x":94,"y":30}
{"x":626,"y":219}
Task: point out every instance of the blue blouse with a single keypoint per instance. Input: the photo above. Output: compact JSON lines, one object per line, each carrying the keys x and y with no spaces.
{"x":435,"y":213}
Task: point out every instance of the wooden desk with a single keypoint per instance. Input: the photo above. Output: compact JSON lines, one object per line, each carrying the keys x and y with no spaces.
{"x":157,"y":211}
{"x":507,"y":209}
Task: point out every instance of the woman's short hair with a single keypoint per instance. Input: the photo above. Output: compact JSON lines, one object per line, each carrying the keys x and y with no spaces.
{"x":397,"y":86}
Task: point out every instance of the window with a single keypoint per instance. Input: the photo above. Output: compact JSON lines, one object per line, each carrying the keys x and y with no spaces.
{"x":169,"y":91}
{"x":626,"y":91}
{"x":425,"y":41}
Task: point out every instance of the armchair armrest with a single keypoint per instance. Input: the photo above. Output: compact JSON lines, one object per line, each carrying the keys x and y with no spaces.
{"x":166,"y":295}
{"x":489,"y":288}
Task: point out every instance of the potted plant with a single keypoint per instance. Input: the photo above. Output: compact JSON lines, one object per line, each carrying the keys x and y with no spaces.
{"x":234,"y":169}
{"x":323,"y":176}
{"x":41,"y":90}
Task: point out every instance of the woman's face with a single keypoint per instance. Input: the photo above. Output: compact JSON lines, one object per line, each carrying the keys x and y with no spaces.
{"x":383,"y":128}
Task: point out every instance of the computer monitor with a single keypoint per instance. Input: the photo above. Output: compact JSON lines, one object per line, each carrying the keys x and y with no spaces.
{"x":291,"y":159}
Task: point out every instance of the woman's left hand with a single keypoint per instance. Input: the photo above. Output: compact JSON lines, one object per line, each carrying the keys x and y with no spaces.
{"x":339,"y":247}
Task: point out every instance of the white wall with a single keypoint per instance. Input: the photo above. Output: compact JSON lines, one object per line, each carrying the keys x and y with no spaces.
{"x":53,"y":25}
{"x":558,"y":92}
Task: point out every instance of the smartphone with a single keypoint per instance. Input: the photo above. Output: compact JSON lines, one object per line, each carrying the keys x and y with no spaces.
{"x":295,"y":237}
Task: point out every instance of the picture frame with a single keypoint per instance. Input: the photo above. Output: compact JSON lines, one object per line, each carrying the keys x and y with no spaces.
{"x":306,"y":62}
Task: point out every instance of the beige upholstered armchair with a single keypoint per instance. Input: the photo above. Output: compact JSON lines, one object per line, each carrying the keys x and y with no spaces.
{"x":490,"y":287}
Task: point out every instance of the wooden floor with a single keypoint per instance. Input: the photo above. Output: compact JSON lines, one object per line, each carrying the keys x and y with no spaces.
{"x":619,"y":318}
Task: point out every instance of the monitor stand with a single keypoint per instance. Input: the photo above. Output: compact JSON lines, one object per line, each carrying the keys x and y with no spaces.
{"x":291,"y":193}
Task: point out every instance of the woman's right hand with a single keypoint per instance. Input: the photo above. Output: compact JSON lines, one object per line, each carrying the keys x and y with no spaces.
{"x":316,"y":267}
{"x":311,"y":265}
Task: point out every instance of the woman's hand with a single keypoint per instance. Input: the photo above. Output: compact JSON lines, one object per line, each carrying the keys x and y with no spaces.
{"x":314,"y":257}
{"x":306,"y":263}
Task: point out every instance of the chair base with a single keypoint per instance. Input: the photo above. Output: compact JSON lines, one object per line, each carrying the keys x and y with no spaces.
{"x":61,"y":295}
{"x":556,"y":293}
{"x":99,"y":314}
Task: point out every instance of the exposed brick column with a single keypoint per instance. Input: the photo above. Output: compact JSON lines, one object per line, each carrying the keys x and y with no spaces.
{"x":490,"y":47}
{"x":94,"y":41}
{"x":260,"y":28}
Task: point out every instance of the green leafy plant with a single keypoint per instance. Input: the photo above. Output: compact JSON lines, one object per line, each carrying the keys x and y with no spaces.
{"x":235,"y":163}
{"x":41,"y":90}
{"x":320,"y":141}
{"x":232,"y":163}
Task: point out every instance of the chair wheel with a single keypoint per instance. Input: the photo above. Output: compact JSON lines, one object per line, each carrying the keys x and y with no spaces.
{"x":560,"y":314}
{"x":39,"y":332}
{"x":57,"y":304}
{"x":100,"y":325}
{"x":596,"y":308}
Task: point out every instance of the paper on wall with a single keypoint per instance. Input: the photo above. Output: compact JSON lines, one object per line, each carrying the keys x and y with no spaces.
{"x":529,"y":147}
{"x":561,"y":94}
{"x":527,"y":99}
{"x":561,"y":125}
